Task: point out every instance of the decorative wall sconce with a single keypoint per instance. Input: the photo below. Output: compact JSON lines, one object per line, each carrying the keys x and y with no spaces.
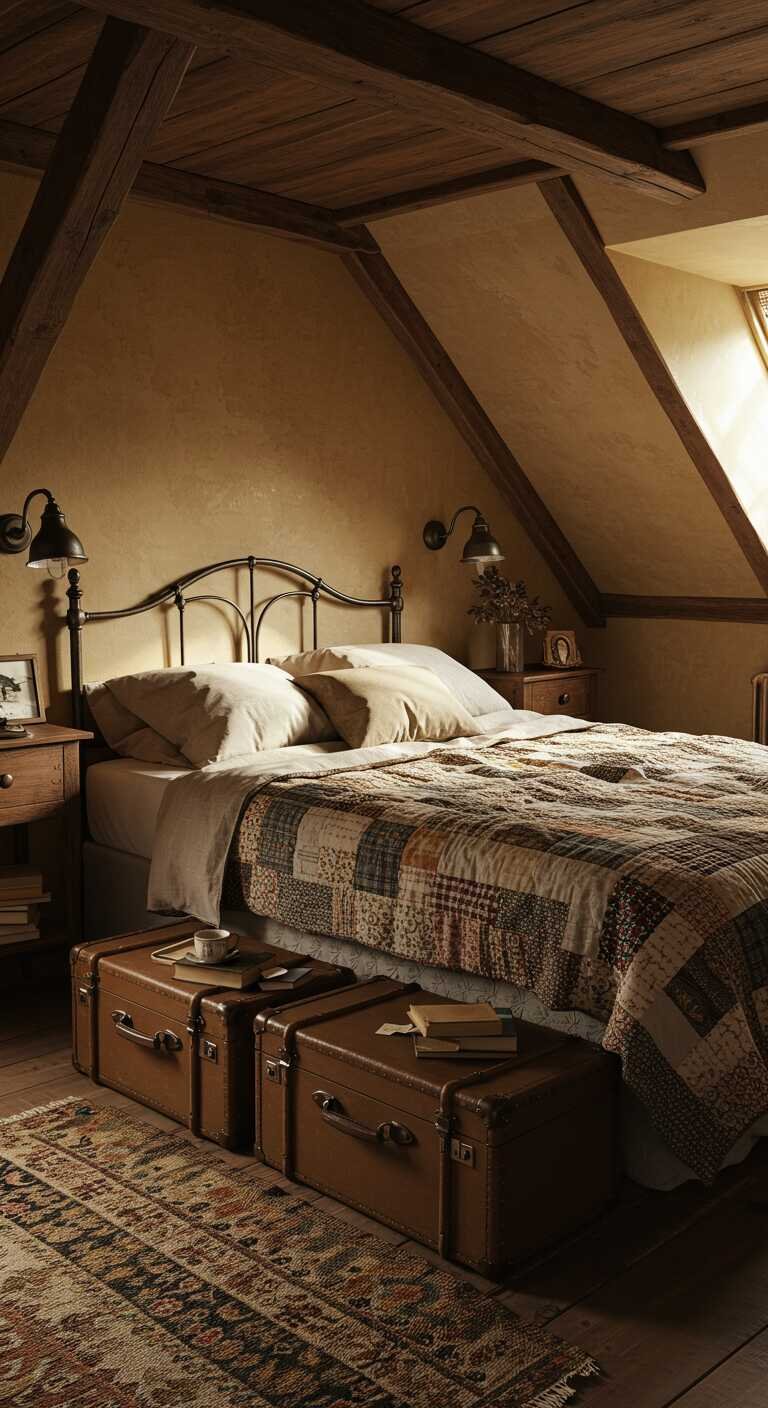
{"x":54,"y":545}
{"x":480,"y":548}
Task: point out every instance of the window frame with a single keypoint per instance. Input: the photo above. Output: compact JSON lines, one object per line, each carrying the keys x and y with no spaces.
{"x":758,"y":321}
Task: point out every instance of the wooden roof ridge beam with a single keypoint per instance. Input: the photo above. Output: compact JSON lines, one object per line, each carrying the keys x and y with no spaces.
{"x":477,"y":183}
{"x":580,"y":230}
{"x":370,"y":52}
{"x":743,"y":609}
{"x":128,"y":86}
{"x":716,"y":127}
{"x":29,"y":149}
{"x":379,"y":282}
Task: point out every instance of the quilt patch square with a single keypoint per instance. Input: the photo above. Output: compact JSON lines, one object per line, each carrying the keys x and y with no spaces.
{"x":379,"y":853}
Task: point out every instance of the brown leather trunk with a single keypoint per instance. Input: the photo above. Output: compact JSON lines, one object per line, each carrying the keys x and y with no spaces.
{"x":183,"y":1048}
{"x":486,"y":1163}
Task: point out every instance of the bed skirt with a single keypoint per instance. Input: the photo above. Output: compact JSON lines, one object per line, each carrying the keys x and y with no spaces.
{"x":115,"y":903}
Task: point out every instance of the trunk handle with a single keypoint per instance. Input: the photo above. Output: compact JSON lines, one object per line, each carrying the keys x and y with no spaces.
{"x":160,"y":1041}
{"x":332,"y":1111}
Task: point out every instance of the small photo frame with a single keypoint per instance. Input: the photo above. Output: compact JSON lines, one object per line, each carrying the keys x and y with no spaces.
{"x":561,"y":650}
{"x":20,"y":700}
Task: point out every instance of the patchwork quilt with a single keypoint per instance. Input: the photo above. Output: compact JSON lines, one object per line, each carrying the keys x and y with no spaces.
{"x":616,"y":871}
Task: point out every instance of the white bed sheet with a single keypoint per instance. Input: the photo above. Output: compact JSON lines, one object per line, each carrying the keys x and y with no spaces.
{"x":123,"y":796}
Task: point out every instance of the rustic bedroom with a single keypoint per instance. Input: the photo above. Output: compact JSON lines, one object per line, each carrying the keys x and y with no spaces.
{"x":383,"y":704}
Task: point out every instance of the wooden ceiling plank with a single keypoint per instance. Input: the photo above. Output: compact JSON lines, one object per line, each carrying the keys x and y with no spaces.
{"x":744,"y":609}
{"x":476,"y":183}
{"x":48,"y":55}
{"x":705,"y":104}
{"x":226,"y":103}
{"x":577,"y":225}
{"x":447,"y":83}
{"x":705,"y":68}
{"x":19,"y":21}
{"x":277,"y":145}
{"x":717,"y":127}
{"x":379,"y":282}
{"x":38,"y":107}
{"x":128,"y":86}
{"x":606,"y":37}
{"x":28,"y":149}
{"x":471,"y":20}
{"x":407,"y":157}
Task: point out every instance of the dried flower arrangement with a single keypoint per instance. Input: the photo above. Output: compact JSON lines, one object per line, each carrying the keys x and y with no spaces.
{"x":504,"y":603}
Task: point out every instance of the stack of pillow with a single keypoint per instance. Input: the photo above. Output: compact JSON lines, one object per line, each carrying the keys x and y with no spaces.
{"x":365,"y":695}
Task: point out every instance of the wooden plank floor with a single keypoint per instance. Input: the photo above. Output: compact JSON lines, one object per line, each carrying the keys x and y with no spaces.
{"x":669,"y":1292}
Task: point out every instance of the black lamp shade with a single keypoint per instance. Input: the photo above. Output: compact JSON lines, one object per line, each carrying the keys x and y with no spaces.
{"x":54,"y":541}
{"x":481,"y":546}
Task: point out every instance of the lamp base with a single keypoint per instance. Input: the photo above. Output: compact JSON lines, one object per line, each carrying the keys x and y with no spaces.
{"x":435,"y":534}
{"x":13,"y":537}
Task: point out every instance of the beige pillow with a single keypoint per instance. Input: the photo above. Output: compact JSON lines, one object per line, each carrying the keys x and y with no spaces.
{"x":125,"y":732}
{"x":376,"y":704}
{"x":222,"y":711}
{"x":470,"y":689}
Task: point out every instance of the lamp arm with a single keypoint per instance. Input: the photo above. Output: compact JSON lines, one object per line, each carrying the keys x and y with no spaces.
{"x":466,"y":508}
{"x":27,"y":502}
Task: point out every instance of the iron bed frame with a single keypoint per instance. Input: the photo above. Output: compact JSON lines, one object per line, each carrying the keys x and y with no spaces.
{"x":313,"y":588}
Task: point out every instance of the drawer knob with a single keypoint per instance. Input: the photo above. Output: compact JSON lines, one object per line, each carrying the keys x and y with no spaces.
{"x":6,"y":779}
{"x":564,"y":699}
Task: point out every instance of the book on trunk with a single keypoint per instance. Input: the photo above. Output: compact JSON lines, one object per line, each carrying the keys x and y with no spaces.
{"x":457,"y":1019}
{"x":286,"y":981}
{"x":238,"y":972}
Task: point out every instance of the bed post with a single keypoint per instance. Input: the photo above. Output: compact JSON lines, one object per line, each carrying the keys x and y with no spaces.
{"x":75,"y":621}
{"x":396,"y":603}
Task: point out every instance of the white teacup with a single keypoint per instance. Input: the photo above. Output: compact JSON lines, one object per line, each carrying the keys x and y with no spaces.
{"x":212,"y":945}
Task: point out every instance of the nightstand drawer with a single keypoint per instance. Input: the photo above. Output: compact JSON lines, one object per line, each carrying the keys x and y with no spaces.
{"x":567,"y":696}
{"x":31,"y":777}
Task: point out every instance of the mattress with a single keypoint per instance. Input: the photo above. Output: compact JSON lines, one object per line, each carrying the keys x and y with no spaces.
{"x":123,"y":796}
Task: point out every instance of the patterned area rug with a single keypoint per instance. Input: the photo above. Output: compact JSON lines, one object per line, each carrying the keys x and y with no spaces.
{"x":138,"y":1272}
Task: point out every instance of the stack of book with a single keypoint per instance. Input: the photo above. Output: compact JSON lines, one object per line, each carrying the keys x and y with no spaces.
{"x":464,"y":1031}
{"x":21,"y":894}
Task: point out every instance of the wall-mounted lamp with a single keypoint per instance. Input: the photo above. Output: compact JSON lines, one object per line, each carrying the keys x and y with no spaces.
{"x":481,"y":546}
{"x":54,"y":545}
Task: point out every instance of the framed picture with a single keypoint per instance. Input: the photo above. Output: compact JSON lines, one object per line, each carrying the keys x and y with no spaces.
{"x":20,"y":700}
{"x":561,"y":650}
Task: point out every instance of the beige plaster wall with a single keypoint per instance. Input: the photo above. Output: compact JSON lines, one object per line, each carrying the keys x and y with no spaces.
{"x":505,"y":292}
{"x":692,"y":676}
{"x":214,"y":393}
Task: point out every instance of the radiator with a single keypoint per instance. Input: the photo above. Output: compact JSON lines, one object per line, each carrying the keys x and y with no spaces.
{"x":760,"y":711}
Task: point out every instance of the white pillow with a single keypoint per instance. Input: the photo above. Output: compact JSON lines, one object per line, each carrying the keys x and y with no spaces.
{"x":389,"y":704}
{"x":125,"y":733}
{"x":222,"y":711}
{"x":473,"y":692}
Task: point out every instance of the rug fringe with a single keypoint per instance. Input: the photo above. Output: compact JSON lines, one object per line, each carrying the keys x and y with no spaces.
{"x":564,"y":1390}
{"x":40,"y":1109}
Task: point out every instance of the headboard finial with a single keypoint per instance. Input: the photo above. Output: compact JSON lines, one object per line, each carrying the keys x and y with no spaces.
{"x":75,"y":623}
{"x":396,"y":602}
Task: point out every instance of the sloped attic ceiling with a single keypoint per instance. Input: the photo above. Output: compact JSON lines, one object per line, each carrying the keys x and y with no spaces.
{"x":505,"y":293}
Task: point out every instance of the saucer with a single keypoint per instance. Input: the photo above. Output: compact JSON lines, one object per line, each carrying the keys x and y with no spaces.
{"x":212,"y":962}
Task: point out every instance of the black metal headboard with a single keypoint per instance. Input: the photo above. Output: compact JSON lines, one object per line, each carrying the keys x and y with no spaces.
{"x":314,"y":588}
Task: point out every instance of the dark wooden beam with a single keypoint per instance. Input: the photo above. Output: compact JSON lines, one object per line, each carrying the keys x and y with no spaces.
{"x":716,"y":127}
{"x":367,"y":51}
{"x":29,"y":149}
{"x":379,"y":282}
{"x":746,"y":609}
{"x":479,"y":183}
{"x":579,"y":228}
{"x":127,"y":89}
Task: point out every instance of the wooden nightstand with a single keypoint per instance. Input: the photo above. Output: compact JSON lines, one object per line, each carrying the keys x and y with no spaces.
{"x":548,"y":691}
{"x":40,"y":778}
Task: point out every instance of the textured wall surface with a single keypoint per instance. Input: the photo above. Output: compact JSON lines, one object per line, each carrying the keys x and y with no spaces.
{"x":506,"y":294}
{"x":214,"y":393}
